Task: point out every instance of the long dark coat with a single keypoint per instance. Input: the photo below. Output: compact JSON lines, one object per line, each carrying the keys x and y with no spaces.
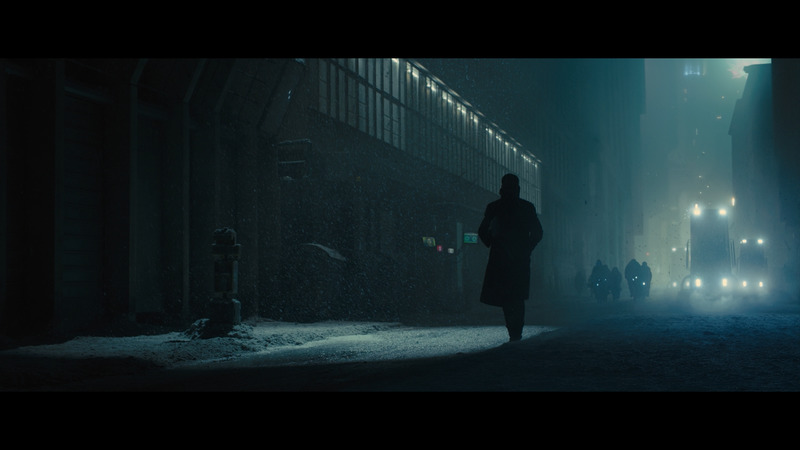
{"x":511,"y":229}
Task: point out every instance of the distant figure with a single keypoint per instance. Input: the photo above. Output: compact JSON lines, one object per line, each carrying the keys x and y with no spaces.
{"x":615,"y":283}
{"x":511,"y":229}
{"x":632,"y":276}
{"x":646,"y":277}
{"x":598,"y":281}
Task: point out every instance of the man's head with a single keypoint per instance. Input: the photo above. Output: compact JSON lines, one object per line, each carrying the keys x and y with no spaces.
{"x":509,"y":186}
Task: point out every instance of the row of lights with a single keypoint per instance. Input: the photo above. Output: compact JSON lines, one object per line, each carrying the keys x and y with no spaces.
{"x":697,"y":211}
{"x":433,"y":86}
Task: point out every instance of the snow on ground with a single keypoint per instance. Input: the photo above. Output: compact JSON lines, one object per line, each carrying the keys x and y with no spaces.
{"x":283,"y":342}
{"x":658,"y":344}
{"x":180,"y":348}
{"x":388,"y":343}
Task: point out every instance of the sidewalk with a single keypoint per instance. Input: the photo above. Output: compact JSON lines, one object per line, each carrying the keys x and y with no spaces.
{"x":84,"y":357}
{"x":132,"y":349}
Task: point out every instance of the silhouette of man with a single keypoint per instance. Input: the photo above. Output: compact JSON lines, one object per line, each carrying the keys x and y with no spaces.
{"x":511,"y":229}
{"x":598,"y":281}
{"x":632,"y":276}
{"x":647,"y":277}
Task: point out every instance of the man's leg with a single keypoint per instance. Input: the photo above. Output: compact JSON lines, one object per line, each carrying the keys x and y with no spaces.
{"x":514,"y":313}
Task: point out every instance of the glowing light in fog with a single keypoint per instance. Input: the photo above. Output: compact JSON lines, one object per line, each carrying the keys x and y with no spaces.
{"x":736,"y":66}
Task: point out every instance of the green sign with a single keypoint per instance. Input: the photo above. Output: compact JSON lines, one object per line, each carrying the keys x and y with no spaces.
{"x":470,"y":238}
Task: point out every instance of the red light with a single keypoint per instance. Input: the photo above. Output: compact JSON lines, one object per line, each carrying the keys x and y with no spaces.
{"x":439,"y":248}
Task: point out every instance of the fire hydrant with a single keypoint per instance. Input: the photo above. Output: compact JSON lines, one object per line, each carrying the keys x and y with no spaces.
{"x":225,"y":309}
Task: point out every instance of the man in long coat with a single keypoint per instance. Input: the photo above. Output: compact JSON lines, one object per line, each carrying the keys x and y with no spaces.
{"x":511,"y":229}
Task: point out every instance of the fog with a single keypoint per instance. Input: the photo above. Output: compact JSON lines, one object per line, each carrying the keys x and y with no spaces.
{"x":353,"y":184}
{"x":684,"y":158}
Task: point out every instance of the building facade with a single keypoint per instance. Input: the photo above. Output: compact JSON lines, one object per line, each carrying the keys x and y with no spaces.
{"x":765,"y":167}
{"x":397,"y":171}
{"x":334,"y":174}
{"x":355,"y":187}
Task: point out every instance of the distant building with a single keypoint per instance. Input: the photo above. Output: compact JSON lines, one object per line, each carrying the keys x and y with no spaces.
{"x":588,"y":135}
{"x":766,"y":184}
{"x":688,"y":155}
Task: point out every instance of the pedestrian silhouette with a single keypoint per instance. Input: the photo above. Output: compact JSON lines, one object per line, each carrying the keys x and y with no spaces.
{"x":646,"y":277}
{"x":511,"y":229}
{"x":632,"y":270}
{"x":598,"y":281}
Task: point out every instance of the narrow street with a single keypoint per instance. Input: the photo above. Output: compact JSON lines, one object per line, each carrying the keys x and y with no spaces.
{"x":657,"y":345}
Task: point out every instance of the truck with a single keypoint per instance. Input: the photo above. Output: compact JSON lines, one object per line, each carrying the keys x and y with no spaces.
{"x":709,"y":255}
{"x":752,"y":268}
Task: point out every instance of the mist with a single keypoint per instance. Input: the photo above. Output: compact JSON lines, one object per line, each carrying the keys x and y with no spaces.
{"x":257,"y":213}
{"x":355,"y":186}
{"x":679,"y":151}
